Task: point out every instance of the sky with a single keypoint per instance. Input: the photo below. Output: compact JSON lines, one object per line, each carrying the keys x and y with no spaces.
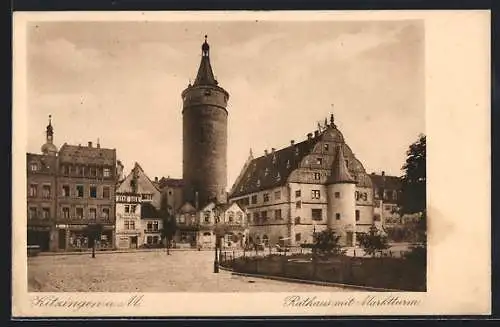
{"x":121,"y":83}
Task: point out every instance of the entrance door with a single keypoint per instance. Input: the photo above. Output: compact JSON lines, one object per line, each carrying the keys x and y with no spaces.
{"x":133,"y":242}
{"x":62,"y":239}
{"x":349,"y":239}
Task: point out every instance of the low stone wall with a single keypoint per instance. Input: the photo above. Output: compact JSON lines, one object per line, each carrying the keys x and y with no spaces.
{"x":389,"y":273}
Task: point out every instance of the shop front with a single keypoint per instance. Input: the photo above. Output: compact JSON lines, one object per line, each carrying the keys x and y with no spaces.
{"x":39,"y":235}
{"x":76,"y":238}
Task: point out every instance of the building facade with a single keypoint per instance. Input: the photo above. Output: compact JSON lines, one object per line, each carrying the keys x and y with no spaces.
{"x":86,"y":195}
{"x":291,"y":193}
{"x":196,"y":228}
{"x":205,"y":117}
{"x":41,"y":197}
{"x":69,"y":189}
{"x":136,"y":194}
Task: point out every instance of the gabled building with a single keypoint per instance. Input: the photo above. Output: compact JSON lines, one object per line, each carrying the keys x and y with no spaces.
{"x":135,"y":193}
{"x":196,"y":227}
{"x":290,"y":193}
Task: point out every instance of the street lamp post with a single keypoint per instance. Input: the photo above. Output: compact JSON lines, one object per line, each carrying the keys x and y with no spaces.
{"x":219,"y":232}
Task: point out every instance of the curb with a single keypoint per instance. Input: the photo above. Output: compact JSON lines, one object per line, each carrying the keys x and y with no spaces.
{"x":87,"y":252}
{"x":312,"y":282}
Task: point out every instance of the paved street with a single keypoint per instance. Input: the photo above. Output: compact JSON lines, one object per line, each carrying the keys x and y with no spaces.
{"x":183,"y":271}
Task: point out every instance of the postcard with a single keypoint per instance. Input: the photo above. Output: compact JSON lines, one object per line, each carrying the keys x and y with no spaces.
{"x":251,"y":163}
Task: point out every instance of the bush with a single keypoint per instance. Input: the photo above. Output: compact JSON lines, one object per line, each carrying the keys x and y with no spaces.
{"x":327,"y":242}
{"x":373,"y":241}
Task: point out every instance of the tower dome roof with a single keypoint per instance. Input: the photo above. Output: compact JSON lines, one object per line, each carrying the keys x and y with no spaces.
{"x":49,"y":148}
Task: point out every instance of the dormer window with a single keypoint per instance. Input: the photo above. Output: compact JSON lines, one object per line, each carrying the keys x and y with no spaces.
{"x":266,"y":172}
{"x":274,"y":159}
{"x":297,"y":151}
{"x":325,"y":147}
{"x":319,"y":161}
{"x":278,"y":177}
{"x":347,"y":163}
{"x":258,"y":183}
{"x":208,"y":92}
{"x":288,"y":164}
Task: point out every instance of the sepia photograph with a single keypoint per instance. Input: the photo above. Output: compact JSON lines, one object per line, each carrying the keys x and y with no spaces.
{"x":219,"y":156}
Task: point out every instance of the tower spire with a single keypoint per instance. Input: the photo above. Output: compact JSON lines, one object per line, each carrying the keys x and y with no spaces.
{"x":340,"y":173}
{"x":205,"y":74}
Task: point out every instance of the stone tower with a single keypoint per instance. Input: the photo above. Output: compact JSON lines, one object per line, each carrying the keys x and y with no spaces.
{"x":204,"y":117}
{"x":341,"y":209}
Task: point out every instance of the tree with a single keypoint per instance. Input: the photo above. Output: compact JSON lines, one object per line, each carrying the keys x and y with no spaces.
{"x":414,"y":186}
{"x":413,"y":195}
{"x":327,"y":242}
{"x":94,"y":232}
{"x":373,"y":241}
{"x":169,"y":228}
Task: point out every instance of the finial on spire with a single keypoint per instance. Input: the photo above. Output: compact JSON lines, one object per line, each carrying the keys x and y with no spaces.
{"x":205,"y":48}
{"x":326,"y":123}
{"x":251,"y":153}
{"x":50,"y":119}
{"x":332,"y":121}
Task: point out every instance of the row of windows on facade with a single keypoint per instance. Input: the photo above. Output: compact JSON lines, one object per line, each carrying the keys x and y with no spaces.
{"x":315,"y":194}
{"x":316,"y":214}
{"x":151,"y":226}
{"x":231,"y":217}
{"x":79,"y":191}
{"x":316,"y":175}
{"x":66,"y":214}
{"x":75,"y":170}
{"x":390,"y":195}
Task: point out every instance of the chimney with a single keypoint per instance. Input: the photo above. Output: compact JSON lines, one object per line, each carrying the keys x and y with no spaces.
{"x":272,"y":150}
{"x":383,"y":173}
{"x":292,"y":142}
{"x":90,"y":144}
{"x":156,"y":179}
{"x":265,"y":152}
{"x":316,"y":133}
{"x":309,"y":136}
{"x":98,"y":144}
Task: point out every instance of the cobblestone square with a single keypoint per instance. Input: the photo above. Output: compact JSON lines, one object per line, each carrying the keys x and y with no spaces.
{"x":155,"y":271}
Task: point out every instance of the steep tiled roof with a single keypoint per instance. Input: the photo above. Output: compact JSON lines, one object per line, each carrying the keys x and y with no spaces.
{"x":148,"y":211}
{"x":86,"y":154}
{"x":279,"y":165}
{"x":340,"y":173}
{"x":205,"y":74}
{"x":144,"y":184}
{"x":386,"y":182}
{"x":170,"y":182}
